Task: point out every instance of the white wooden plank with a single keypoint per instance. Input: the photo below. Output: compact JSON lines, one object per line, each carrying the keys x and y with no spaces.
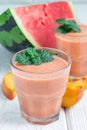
{"x":77,"y":115}
{"x":10,"y":118}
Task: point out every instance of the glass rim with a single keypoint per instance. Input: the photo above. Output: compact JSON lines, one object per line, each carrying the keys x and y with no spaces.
{"x":47,"y":48}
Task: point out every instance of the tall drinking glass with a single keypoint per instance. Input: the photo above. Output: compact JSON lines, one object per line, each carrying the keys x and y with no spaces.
{"x":75,"y":44}
{"x":40,"y":88}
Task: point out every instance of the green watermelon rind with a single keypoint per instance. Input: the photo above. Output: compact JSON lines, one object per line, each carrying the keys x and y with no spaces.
{"x":4,"y":17}
{"x":27,"y":35}
{"x":7,"y":37}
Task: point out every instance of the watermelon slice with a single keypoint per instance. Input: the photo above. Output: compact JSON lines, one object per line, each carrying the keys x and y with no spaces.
{"x":32,"y":25}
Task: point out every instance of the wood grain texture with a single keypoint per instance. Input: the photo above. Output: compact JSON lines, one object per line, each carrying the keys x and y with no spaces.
{"x":77,"y":115}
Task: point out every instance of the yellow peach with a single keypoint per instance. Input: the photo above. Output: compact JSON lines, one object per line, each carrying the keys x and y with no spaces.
{"x":73,"y":94}
{"x":82,"y":81}
{"x":8,"y":86}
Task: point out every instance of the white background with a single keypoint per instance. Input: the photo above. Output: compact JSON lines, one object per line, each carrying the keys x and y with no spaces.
{"x":35,"y":1}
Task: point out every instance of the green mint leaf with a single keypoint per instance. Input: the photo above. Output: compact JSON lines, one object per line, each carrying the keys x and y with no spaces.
{"x":23,"y":59}
{"x":61,"y":21}
{"x":31,"y":56}
{"x":37,"y":61}
{"x":31,"y":52}
{"x":34,"y":56}
{"x":63,"y":29}
{"x":67,"y":26}
{"x":69,"y":22}
{"x":45,"y":56}
{"x":72,"y":24}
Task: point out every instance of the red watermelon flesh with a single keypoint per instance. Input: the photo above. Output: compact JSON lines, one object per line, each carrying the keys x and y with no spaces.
{"x":59,"y":10}
{"x":38,"y":21}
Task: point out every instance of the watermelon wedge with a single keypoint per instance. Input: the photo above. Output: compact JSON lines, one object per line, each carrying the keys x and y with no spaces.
{"x":32,"y":25}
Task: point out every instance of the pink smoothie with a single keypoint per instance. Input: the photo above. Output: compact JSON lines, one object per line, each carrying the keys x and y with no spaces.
{"x":40,"y":88}
{"x":75,"y":44}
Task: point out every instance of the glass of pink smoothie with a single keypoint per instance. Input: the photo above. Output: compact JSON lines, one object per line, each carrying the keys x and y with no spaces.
{"x":40,"y":88}
{"x":75,"y":44}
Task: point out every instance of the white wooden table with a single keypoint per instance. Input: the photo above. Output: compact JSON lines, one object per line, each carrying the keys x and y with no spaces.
{"x":74,"y":118}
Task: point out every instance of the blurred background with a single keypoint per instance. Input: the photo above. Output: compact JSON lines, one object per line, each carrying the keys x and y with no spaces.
{"x":35,"y":1}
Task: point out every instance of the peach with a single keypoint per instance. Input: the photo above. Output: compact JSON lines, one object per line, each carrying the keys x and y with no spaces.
{"x":73,"y":94}
{"x":85,"y":82}
{"x":82,"y":81}
{"x":8,"y":86}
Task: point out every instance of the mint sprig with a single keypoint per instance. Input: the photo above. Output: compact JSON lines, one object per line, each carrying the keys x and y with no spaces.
{"x":67,"y":26}
{"x":32,"y":56}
